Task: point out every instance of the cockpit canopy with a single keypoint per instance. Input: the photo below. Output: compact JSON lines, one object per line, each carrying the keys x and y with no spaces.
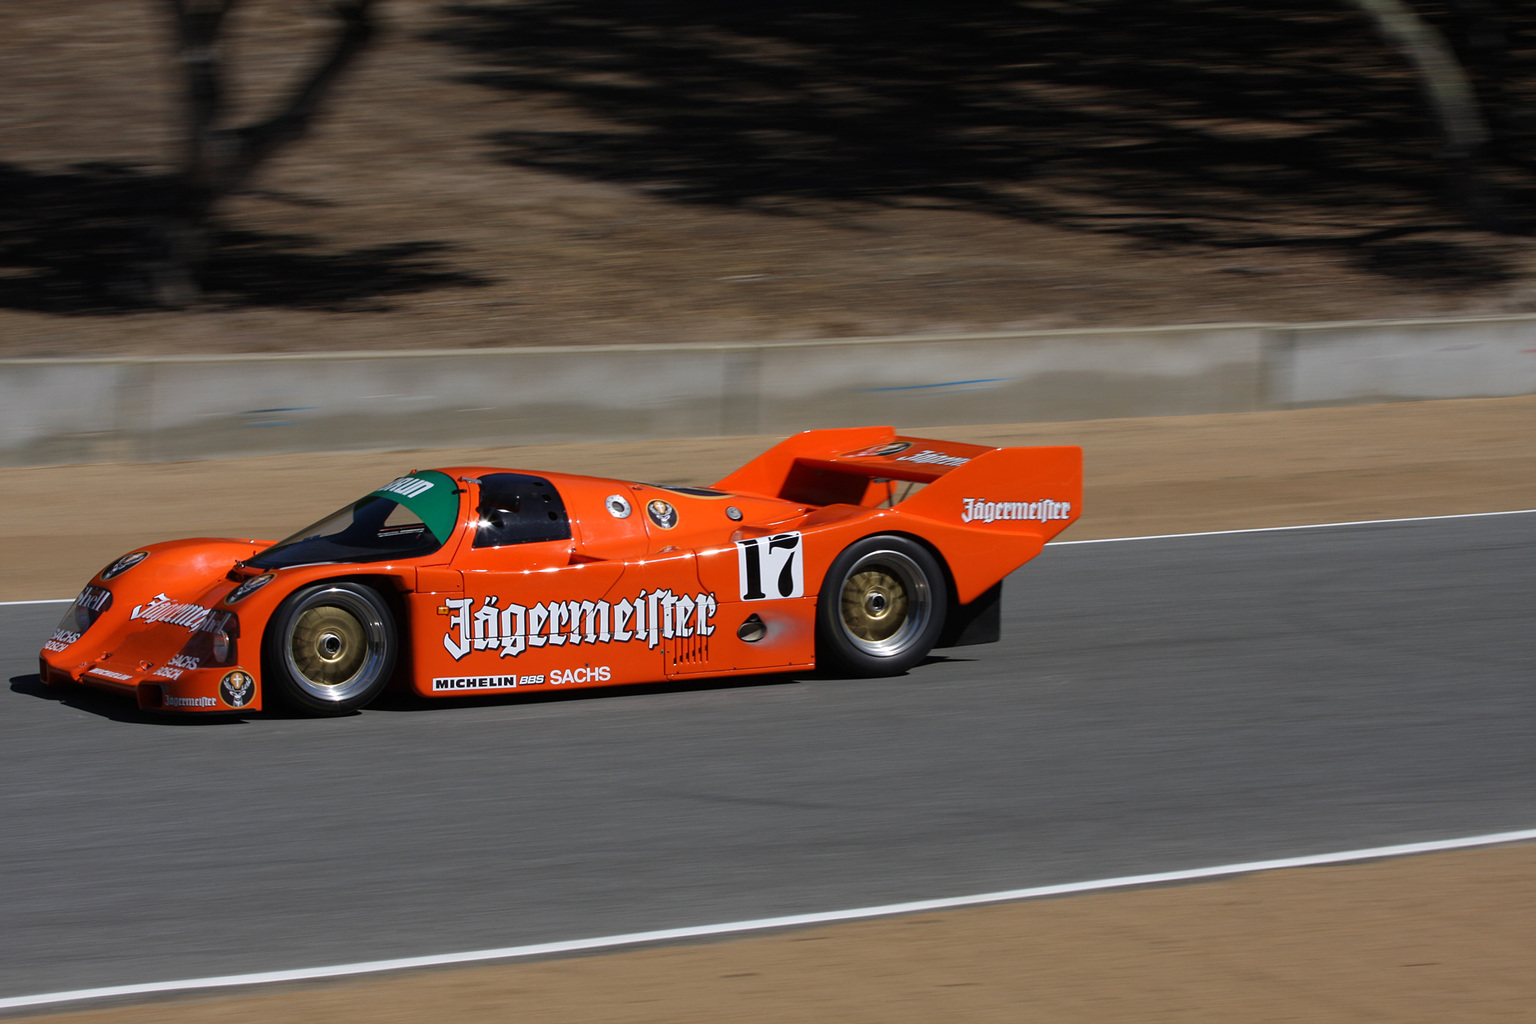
{"x":414,"y":516}
{"x":406,"y":518}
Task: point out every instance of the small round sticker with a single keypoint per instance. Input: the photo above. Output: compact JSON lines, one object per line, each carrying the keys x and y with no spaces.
{"x":618,"y":506}
{"x":661,"y":513}
{"x":237,"y":688}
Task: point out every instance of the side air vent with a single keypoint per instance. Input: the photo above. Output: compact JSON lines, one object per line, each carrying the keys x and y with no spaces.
{"x":690,"y":650}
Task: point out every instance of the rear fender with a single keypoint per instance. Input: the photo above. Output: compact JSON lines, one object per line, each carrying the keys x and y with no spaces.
{"x":996,"y":512}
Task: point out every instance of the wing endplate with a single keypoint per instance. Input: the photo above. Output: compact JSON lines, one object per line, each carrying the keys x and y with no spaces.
{"x":997,"y":511}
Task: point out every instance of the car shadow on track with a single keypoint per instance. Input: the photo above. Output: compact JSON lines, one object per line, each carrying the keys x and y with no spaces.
{"x":109,"y":706}
{"x":122,"y":709}
{"x":403,"y":700}
{"x":407,"y":701}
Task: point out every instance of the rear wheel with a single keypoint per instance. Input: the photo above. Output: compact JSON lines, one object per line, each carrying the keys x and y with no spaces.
{"x":330,"y":648}
{"x":881,"y":607}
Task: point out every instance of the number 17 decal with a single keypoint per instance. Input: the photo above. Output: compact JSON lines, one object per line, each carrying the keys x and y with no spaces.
{"x":771,"y":567}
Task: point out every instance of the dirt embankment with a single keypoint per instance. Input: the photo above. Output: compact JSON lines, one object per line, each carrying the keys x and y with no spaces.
{"x":1174,"y":474}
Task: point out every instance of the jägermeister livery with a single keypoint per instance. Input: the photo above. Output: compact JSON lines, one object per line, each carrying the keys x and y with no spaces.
{"x":856,"y":550}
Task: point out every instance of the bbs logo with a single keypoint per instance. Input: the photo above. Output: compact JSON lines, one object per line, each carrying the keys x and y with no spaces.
{"x":771,"y":567}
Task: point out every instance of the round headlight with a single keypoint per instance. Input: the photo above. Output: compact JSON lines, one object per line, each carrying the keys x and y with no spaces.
{"x":223,"y":647}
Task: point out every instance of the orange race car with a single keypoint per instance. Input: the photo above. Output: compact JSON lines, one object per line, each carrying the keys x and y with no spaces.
{"x":856,"y":550}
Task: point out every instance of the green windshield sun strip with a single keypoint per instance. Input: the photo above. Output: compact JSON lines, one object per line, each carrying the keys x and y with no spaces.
{"x":437,"y":505}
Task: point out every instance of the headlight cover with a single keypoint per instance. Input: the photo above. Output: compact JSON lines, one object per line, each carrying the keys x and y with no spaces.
{"x":85,"y":610}
{"x":122,"y":565}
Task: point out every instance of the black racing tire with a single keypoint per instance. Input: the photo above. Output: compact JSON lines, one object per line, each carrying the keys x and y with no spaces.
{"x":881,"y":607}
{"x":330,"y":648}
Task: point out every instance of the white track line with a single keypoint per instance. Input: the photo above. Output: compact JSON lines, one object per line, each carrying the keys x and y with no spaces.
{"x":1303,"y":526}
{"x":760,"y":924}
{"x":1153,"y":536}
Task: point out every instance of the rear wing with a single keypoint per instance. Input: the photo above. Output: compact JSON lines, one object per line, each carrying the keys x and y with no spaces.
{"x":967,"y":483}
{"x":853,"y":466}
{"x":992,"y":509}
{"x":988,"y":510}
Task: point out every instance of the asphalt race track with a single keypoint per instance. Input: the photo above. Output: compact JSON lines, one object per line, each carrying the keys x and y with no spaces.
{"x":1155,"y":705}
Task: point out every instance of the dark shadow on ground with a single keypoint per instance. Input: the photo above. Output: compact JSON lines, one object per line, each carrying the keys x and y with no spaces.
{"x":1206,"y":123}
{"x":123,"y":709}
{"x":109,"y":706}
{"x":408,"y":701}
{"x":86,"y":241}
{"x":118,"y":708}
{"x":401,"y":700}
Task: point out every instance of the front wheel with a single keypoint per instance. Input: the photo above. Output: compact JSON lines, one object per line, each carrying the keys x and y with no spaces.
{"x":881,"y":607}
{"x":330,"y":648}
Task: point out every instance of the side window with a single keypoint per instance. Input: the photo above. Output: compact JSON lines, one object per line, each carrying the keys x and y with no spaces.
{"x":519,"y":509}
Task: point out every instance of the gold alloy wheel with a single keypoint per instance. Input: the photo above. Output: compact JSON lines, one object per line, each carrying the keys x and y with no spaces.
{"x":337,"y":645}
{"x":874,"y":605}
{"x":328,"y":645}
{"x":885,"y":604}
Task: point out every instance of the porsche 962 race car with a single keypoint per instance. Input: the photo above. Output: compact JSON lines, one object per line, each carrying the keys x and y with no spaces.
{"x":855,"y":550}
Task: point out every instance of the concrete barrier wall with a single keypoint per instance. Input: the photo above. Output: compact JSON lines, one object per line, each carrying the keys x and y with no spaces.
{"x":160,"y":409}
{"x":1403,"y":360}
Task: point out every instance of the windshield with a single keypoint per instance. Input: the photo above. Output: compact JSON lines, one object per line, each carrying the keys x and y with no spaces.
{"x":406,"y":518}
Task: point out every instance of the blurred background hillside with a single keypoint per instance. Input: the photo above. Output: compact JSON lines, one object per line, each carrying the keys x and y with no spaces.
{"x":566,"y":172}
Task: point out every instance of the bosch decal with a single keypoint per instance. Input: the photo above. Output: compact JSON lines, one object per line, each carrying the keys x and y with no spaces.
{"x":178,"y":664}
{"x":61,"y":639}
